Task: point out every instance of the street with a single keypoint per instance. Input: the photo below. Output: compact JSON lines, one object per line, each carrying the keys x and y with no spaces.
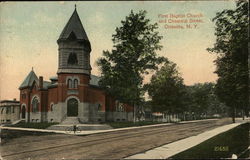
{"x":119,"y":144}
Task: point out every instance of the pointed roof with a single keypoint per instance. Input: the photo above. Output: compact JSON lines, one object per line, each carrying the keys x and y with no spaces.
{"x":74,"y":25}
{"x":29,"y":80}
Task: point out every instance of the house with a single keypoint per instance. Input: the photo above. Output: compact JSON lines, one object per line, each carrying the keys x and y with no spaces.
{"x":9,"y":111}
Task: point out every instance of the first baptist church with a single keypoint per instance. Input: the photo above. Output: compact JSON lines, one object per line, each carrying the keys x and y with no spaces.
{"x":74,"y":92}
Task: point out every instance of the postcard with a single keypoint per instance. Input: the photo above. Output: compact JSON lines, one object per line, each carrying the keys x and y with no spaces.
{"x":124,"y":80}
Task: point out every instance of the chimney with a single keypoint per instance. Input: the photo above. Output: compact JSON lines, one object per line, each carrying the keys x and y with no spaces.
{"x":40,"y":82}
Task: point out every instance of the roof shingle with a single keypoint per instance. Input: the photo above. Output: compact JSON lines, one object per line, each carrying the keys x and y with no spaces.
{"x":28,"y":81}
{"x":74,"y":25}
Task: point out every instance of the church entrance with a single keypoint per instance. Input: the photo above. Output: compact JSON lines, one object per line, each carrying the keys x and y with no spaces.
{"x":72,"y":108}
{"x":23,"y":112}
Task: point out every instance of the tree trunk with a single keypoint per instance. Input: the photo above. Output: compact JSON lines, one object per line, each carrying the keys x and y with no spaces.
{"x":246,"y":112}
{"x":243,"y":115}
{"x":233,"y":119}
{"x":233,"y":114}
{"x":134,"y":106}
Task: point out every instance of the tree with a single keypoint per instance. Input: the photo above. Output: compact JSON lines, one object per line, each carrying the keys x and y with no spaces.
{"x":232,"y":61}
{"x":167,"y":90}
{"x":133,"y":55}
{"x":199,"y":97}
{"x":203,"y":101}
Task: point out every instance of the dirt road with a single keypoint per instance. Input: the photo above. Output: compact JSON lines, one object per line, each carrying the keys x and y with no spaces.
{"x":109,"y":145}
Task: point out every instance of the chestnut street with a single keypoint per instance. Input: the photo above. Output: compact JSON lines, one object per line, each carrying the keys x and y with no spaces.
{"x":117,"y":144}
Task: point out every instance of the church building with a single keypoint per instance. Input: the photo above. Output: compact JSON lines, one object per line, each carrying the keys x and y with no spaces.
{"x":74,"y":92}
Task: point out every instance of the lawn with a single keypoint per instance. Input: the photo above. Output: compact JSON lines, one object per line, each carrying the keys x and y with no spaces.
{"x":8,"y":134}
{"x":42,"y":125}
{"x":131,"y":124}
{"x":223,"y":145}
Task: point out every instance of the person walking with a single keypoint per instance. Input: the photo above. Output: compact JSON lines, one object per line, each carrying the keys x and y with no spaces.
{"x":74,"y":128}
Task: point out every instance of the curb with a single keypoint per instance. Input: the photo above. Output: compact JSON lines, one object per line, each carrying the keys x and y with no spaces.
{"x":100,"y":131}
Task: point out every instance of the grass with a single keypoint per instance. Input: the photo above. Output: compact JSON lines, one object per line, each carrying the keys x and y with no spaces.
{"x":131,"y":124}
{"x":135,"y":124}
{"x":42,"y":125}
{"x":7,"y":134}
{"x":223,"y":145}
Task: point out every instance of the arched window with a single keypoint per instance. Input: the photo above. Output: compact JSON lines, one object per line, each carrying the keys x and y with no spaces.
{"x":72,"y":60}
{"x":23,"y":96}
{"x":99,"y":107}
{"x":35,"y":105}
{"x":2,"y":110}
{"x":52,"y":107}
{"x":69,"y":83}
{"x":23,"y":112}
{"x":8,"y":110}
{"x":121,"y":107}
{"x":75,"y":83}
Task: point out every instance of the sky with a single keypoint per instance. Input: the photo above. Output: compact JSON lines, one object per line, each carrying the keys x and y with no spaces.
{"x":29,"y":31}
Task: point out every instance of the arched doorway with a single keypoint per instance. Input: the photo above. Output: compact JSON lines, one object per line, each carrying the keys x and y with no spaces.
{"x":72,"y":107}
{"x":23,"y":112}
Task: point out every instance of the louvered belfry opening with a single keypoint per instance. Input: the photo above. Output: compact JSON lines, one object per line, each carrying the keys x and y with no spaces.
{"x":74,"y":48}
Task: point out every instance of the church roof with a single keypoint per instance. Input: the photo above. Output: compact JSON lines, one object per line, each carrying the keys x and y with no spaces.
{"x":28,"y":81}
{"x":31,"y":77}
{"x":46,"y":84}
{"x":94,"y":80}
{"x":74,"y":25}
{"x":53,"y":78}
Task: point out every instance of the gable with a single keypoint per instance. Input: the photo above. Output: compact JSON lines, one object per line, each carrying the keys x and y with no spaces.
{"x":29,"y":80}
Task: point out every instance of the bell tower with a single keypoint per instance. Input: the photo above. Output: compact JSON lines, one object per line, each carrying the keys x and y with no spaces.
{"x":74,"y":48}
{"x":74,"y":70}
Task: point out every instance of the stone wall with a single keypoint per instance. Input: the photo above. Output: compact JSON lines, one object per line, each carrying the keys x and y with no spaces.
{"x":119,"y":116}
{"x":87,"y":113}
{"x":83,"y":112}
{"x":56,"y":114}
{"x":35,"y":117}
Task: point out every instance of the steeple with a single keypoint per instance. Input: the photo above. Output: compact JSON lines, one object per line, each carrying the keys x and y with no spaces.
{"x":74,"y":48}
{"x":75,"y":26}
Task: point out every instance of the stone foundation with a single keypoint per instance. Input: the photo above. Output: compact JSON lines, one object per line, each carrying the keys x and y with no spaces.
{"x":87,"y":113}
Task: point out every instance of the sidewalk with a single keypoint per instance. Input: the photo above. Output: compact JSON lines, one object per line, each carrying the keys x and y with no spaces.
{"x":171,"y":149}
{"x":96,"y":131}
